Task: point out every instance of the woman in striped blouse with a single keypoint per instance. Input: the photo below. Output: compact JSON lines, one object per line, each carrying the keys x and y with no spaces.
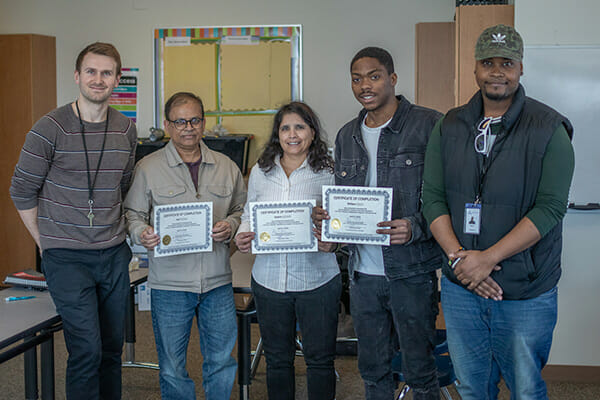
{"x":292,"y":288}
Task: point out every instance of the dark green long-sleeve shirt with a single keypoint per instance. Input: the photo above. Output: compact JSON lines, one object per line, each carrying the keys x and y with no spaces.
{"x":553,"y":190}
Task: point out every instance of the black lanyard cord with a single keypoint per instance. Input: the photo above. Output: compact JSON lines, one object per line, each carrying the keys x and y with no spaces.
{"x":486,"y":164}
{"x":91,"y":184}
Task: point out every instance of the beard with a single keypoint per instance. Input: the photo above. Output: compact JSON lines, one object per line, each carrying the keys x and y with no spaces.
{"x":499,"y":96}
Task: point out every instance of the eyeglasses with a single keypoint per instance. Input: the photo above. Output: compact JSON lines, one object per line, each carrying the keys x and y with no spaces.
{"x":181,"y":124}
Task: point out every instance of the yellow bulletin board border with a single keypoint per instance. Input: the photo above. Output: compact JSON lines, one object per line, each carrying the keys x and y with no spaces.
{"x":214,"y":35}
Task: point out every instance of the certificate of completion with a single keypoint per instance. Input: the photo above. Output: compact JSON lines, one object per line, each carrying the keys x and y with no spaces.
{"x":282,"y":227}
{"x":354,"y":212}
{"x":183,"y":228}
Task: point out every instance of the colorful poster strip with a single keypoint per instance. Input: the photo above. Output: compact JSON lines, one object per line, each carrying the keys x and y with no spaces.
{"x":124,"y":96}
{"x":216,"y":33}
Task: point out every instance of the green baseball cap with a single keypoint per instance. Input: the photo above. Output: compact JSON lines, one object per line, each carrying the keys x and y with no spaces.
{"x":499,"y":41}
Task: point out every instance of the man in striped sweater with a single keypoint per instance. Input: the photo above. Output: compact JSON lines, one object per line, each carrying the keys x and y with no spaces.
{"x":73,"y":172}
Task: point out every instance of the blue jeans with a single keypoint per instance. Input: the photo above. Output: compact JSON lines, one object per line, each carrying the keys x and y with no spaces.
{"x":392,"y":314}
{"x":317,"y":314}
{"x":488,"y":338}
{"x":172,"y":316}
{"x":90,"y":289}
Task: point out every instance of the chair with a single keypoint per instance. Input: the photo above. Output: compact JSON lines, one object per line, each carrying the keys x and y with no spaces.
{"x":446,"y":376}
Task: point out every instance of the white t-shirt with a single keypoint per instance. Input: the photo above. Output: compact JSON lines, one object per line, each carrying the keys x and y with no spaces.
{"x":370,"y":257}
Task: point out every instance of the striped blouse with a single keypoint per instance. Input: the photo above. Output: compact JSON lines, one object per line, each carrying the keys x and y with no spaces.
{"x":289,"y":272}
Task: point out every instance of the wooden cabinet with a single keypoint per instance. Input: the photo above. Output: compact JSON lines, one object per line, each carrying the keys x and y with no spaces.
{"x":470,"y":22}
{"x":28,"y":82}
{"x":445,"y":55}
{"x":434,"y":84}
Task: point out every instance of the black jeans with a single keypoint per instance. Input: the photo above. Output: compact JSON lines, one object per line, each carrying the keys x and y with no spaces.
{"x":90,"y":289}
{"x":392,"y":314}
{"x":317,"y":314}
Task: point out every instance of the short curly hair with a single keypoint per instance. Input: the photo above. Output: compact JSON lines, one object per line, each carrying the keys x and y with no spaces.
{"x":318,"y":158}
{"x":381,"y":55}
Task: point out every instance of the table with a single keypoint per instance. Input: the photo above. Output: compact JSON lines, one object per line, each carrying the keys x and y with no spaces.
{"x":32,"y":321}
{"x":136,"y":277}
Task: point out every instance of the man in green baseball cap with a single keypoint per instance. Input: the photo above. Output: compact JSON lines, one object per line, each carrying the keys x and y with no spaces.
{"x":496,"y":182}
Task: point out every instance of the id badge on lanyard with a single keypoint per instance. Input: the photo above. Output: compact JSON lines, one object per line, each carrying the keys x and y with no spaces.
{"x":472,"y":225}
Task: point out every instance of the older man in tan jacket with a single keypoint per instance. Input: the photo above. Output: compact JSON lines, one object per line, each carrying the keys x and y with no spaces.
{"x":192,"y":284}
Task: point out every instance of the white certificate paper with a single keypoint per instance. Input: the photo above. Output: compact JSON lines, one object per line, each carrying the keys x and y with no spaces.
{"x":183,"y":228}
{"x":282,"y":227}
{"x":354,"y":212}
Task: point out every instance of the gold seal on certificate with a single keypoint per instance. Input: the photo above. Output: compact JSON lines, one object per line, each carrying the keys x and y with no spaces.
{"x":282,"y":227}
{"x":354,"y":213}
{"x":336,"y":224}
{"x":184,"y":228}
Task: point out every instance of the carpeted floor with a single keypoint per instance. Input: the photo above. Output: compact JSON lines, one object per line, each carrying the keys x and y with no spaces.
{"x":142,"y":384}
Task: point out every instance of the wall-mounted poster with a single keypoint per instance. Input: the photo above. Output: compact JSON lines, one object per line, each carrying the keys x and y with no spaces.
{"x":124,"y":96}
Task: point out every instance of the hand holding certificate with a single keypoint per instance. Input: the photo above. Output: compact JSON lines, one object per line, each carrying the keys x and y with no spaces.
{"x":354,"y":212}
{"x":183,"y":228}
{"x":282,"y":227}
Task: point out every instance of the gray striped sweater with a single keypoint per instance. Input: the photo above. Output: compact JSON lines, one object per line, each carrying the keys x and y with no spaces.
{"x":51,"y":174}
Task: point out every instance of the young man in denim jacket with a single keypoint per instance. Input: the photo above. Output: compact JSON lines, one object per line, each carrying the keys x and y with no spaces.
{"x":393,"y":288}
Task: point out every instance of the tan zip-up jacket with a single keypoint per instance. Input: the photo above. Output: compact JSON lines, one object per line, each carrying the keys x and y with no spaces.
{"x":162,"y":178}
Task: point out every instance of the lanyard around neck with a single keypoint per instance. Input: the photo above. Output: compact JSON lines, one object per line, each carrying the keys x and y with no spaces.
{"x":484,"y":127}
{"x":91,"y":184}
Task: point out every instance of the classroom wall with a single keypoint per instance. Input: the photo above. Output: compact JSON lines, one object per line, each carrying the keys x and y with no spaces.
{"x":556,"y":22}
{"x":333,"y":31}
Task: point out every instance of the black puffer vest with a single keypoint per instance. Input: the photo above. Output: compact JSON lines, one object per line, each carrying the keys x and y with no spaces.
{"x":508,"y":190}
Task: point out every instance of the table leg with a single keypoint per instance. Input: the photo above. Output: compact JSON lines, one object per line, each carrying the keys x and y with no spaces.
{"x":47,"y":361}
{"x":244,"y":354}
{"x":30,"y":360}
{"x":130,"y":335}
{"x":130,"y":317}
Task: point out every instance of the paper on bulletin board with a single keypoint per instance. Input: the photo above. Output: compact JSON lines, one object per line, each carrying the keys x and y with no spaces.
{"x":178,"y":41}
{"x":191,"y":69}
{"x":258,"y":125}
{"x":281,"y":79}
{"x":124,"y":96}
{"x":209,"y":123}
{"x":246,"y":40}
{"x":264,"y":80}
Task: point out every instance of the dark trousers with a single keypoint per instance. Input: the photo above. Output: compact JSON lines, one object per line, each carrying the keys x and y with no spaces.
{"x":317,"y":314}
{"x":90,"y":289}
{"x":388,"y":315}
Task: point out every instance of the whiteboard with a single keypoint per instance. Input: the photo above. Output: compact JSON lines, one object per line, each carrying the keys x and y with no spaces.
{"x":567,"y":78}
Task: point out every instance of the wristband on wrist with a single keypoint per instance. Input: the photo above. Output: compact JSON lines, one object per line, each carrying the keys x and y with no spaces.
{"x":452,"y":262}
{"x":337,"y":247}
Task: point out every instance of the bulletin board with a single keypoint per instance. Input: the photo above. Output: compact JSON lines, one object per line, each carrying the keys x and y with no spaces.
{"x":242,"y":74}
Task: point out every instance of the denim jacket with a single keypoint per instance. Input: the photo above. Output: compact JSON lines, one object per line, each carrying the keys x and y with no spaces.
{"x":400,"y":162}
